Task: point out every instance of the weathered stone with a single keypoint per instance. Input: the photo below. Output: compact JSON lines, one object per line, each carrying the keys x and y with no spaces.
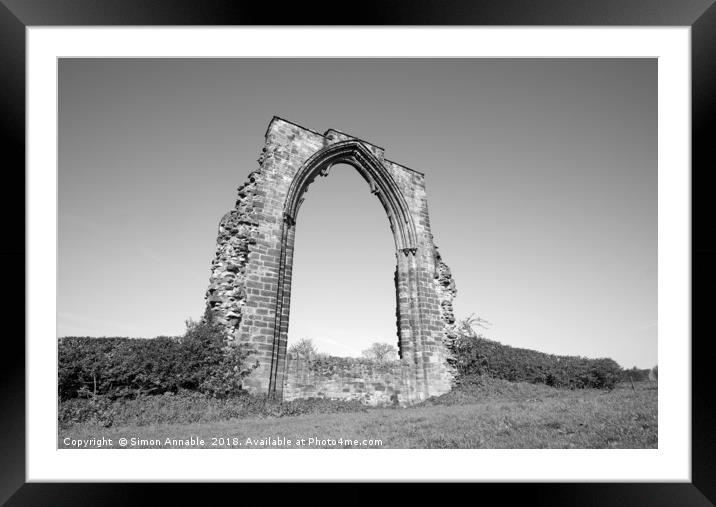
{"x":346,"y":378}
{"x":249,"y":286}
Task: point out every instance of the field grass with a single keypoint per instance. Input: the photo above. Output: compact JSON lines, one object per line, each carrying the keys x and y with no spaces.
{"x":495,"y":414}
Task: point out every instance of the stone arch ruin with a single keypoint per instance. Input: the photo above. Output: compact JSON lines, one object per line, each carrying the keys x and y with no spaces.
{"x":250,"y":284}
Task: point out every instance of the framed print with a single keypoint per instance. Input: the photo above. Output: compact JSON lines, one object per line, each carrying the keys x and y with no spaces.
{"x":558,"y":168}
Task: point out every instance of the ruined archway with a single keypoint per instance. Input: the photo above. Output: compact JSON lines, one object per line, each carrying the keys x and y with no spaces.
{"x":250,"y":285}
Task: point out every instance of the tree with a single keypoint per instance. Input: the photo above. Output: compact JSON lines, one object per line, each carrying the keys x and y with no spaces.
{"x":381,"y":352}
{"x":304,"y":347}
{"x":654,"y":373}
{"x":467,"y":325}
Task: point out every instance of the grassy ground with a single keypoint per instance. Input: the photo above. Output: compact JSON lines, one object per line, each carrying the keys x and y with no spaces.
{"x":494,"y":414}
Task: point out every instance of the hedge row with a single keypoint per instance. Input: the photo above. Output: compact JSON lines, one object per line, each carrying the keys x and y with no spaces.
{"x":200,"y":361}
{"x":128,"y":367}
{"x":476,"y":355}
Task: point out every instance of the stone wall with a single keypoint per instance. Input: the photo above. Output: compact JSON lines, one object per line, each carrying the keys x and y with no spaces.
{"x":346,"y":378}
{"x":250,"y":284}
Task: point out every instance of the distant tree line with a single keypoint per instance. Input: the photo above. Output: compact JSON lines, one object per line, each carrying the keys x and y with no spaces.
{"x":639,"y":374}
{"x":379,"y":352}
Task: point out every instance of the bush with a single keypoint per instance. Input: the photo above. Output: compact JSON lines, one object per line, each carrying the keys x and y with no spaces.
{"x":129,"y":367}
{"x":304,"y":347}
{"x":475,"y":355}
{"x":381,"y":352}
{"x":97,"y":410}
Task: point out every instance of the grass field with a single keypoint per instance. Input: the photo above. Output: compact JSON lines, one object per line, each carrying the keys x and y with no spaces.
{"x":494,"y":415}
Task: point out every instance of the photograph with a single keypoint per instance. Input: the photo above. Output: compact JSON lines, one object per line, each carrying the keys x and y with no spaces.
{"x":357,"y":253}
{"x":427,"y":243}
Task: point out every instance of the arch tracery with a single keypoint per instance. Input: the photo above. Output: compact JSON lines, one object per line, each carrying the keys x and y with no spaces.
{"x":355,"y":154}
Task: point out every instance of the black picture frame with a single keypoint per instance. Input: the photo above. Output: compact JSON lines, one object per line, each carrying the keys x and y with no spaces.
{"x":700,"y":15}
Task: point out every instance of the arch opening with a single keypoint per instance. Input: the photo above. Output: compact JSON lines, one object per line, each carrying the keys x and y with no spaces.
{"x":342,"y":288}
{"x":357,"y":155}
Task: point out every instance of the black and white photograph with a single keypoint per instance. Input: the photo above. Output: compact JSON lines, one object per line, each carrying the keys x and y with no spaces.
{"x":363,"y":253}
{"x":421,"y":244}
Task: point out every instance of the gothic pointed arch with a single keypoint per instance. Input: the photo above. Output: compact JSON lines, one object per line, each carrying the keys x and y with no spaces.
{"x":382,"y":184}
{"x":250,"y":285}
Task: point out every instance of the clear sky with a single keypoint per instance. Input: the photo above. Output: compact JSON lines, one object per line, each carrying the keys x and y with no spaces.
{"x":541,"y":177}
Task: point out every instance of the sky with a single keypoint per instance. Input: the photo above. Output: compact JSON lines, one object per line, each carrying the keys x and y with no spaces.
{"x":541,"y":177}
